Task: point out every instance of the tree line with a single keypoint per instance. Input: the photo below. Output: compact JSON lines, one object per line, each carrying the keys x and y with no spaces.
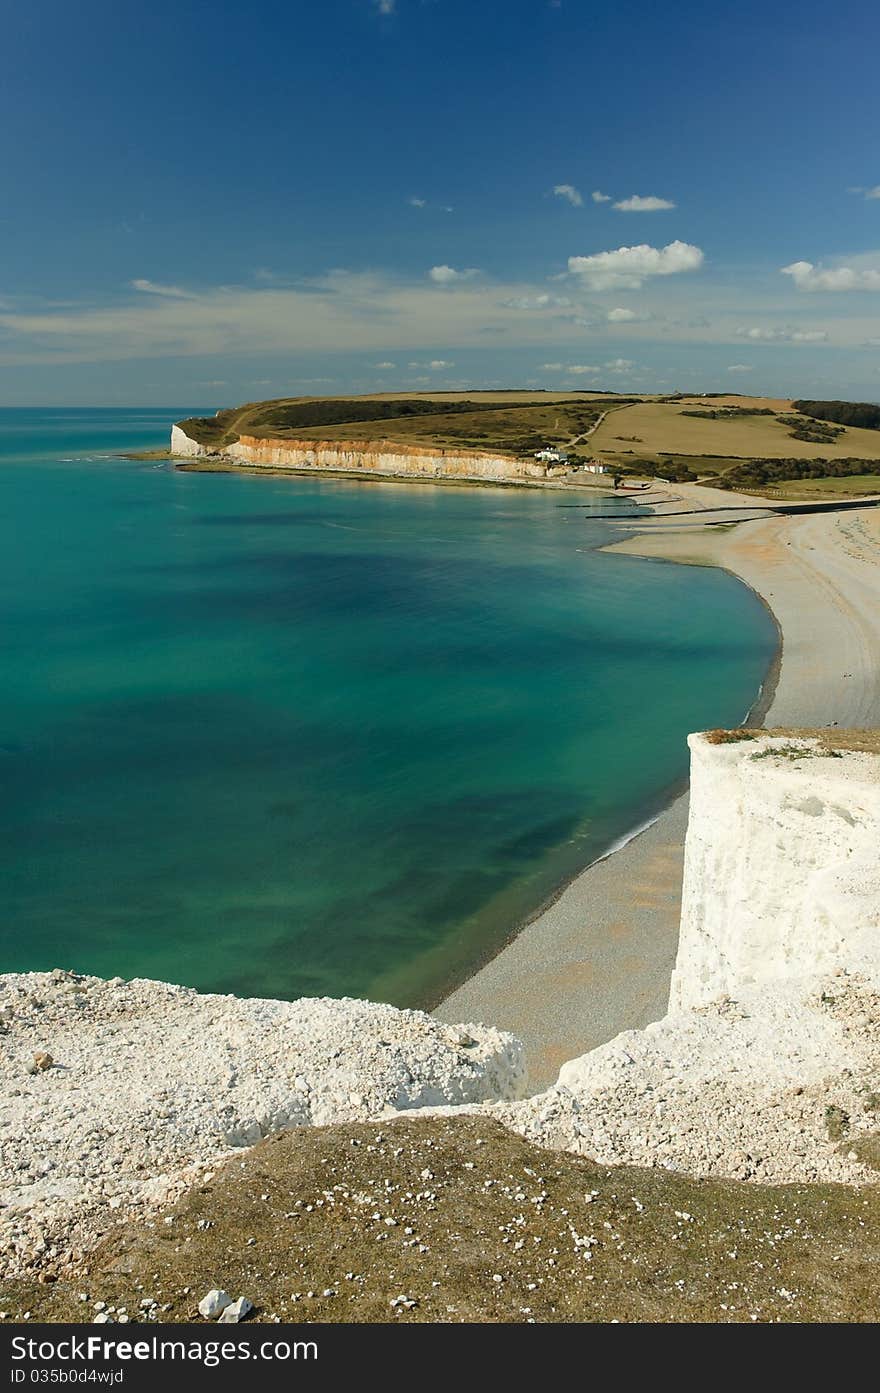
{"x":863,"y":414}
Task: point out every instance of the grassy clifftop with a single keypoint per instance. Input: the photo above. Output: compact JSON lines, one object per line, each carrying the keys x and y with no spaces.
{"x":467,"y":1222}
{"x":505,"y":422}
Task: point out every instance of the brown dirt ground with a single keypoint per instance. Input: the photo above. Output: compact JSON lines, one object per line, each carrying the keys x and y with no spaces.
{"x":471,"y":1223}
{"x":862,"y":741}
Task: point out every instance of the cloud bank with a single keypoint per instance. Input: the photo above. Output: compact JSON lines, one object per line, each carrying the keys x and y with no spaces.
{"x":808,"y":277}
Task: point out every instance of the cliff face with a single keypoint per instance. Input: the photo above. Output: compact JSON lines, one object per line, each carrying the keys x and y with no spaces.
{"x":765,"y":1067}
{"x":181,"y":444}
{"x":367,"y":457}
{"x":781,"y":874}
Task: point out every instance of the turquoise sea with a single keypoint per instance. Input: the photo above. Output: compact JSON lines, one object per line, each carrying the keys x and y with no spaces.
{"x":291,"y":737}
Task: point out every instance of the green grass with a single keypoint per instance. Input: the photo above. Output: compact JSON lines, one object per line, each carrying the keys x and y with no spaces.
{"x":676,"y":467}
{"x":520,"y":424}
{"x":848,"y":486}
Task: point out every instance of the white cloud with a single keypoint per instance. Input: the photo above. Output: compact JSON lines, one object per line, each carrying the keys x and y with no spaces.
{"x":783,"y":335}
{"x":599,"y":197}
{"x":537,"y":302}
{"x":447,"y":275}
{"x":171,"y":292}
{"x":417,"y":202}
{"x":806,"y":276}
{"x":621,"y":315}
{"x":637,"y":204}
{"x":385,"y":317}
{"x":628,"y":267}
{"x":569,"y":193}
{"x":872,"y":343}
{"x":384,"y":367}
{"x":589,"y":369}
{"x":436,"y":365}
{"x":873,"y":193}
{"x":739,"y":367}
{"x":386,"y":7}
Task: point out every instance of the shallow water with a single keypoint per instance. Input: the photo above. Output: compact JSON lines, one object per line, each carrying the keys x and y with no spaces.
{"x":293,"y":737}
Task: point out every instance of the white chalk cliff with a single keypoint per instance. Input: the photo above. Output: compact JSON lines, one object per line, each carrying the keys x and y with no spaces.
{"x":382,"y":457}
{"x":766,"y":1065}
{"x":782,"y":867}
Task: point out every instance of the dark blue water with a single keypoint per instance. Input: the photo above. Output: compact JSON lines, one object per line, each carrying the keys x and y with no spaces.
{"x":293,"y":736}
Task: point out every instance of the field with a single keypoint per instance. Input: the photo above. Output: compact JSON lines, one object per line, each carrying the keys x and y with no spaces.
{"x":849,"y":487}
{"x":505,"y":429}
{"x":505,"y":422}
{"x":656,"y":428}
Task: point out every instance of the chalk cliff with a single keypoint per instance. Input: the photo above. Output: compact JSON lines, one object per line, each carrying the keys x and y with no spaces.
{"x":765,"y":1066}
{"x":383,"y":457}
{"x":782,"y":866}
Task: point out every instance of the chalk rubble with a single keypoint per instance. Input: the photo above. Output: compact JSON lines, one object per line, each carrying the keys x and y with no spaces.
{"x":149,"y":1080}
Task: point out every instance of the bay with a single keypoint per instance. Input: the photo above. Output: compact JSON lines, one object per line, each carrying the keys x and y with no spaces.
{"x":299,"y":736}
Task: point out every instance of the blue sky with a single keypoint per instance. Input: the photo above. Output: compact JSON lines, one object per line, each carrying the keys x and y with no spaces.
{"x":223,"y":201}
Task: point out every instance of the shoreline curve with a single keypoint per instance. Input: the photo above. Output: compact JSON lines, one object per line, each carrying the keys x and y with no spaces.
{"x":598,"y":958}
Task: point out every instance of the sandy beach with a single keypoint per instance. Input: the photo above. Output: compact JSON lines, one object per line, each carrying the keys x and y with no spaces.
{"x":598,"y":960}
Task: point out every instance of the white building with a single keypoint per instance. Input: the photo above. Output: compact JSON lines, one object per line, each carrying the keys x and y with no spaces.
{"x":549,"y":455}
{"x":595,"y":467}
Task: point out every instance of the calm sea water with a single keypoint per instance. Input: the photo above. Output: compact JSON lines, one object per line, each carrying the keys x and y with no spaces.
{"x":292,"y":736}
